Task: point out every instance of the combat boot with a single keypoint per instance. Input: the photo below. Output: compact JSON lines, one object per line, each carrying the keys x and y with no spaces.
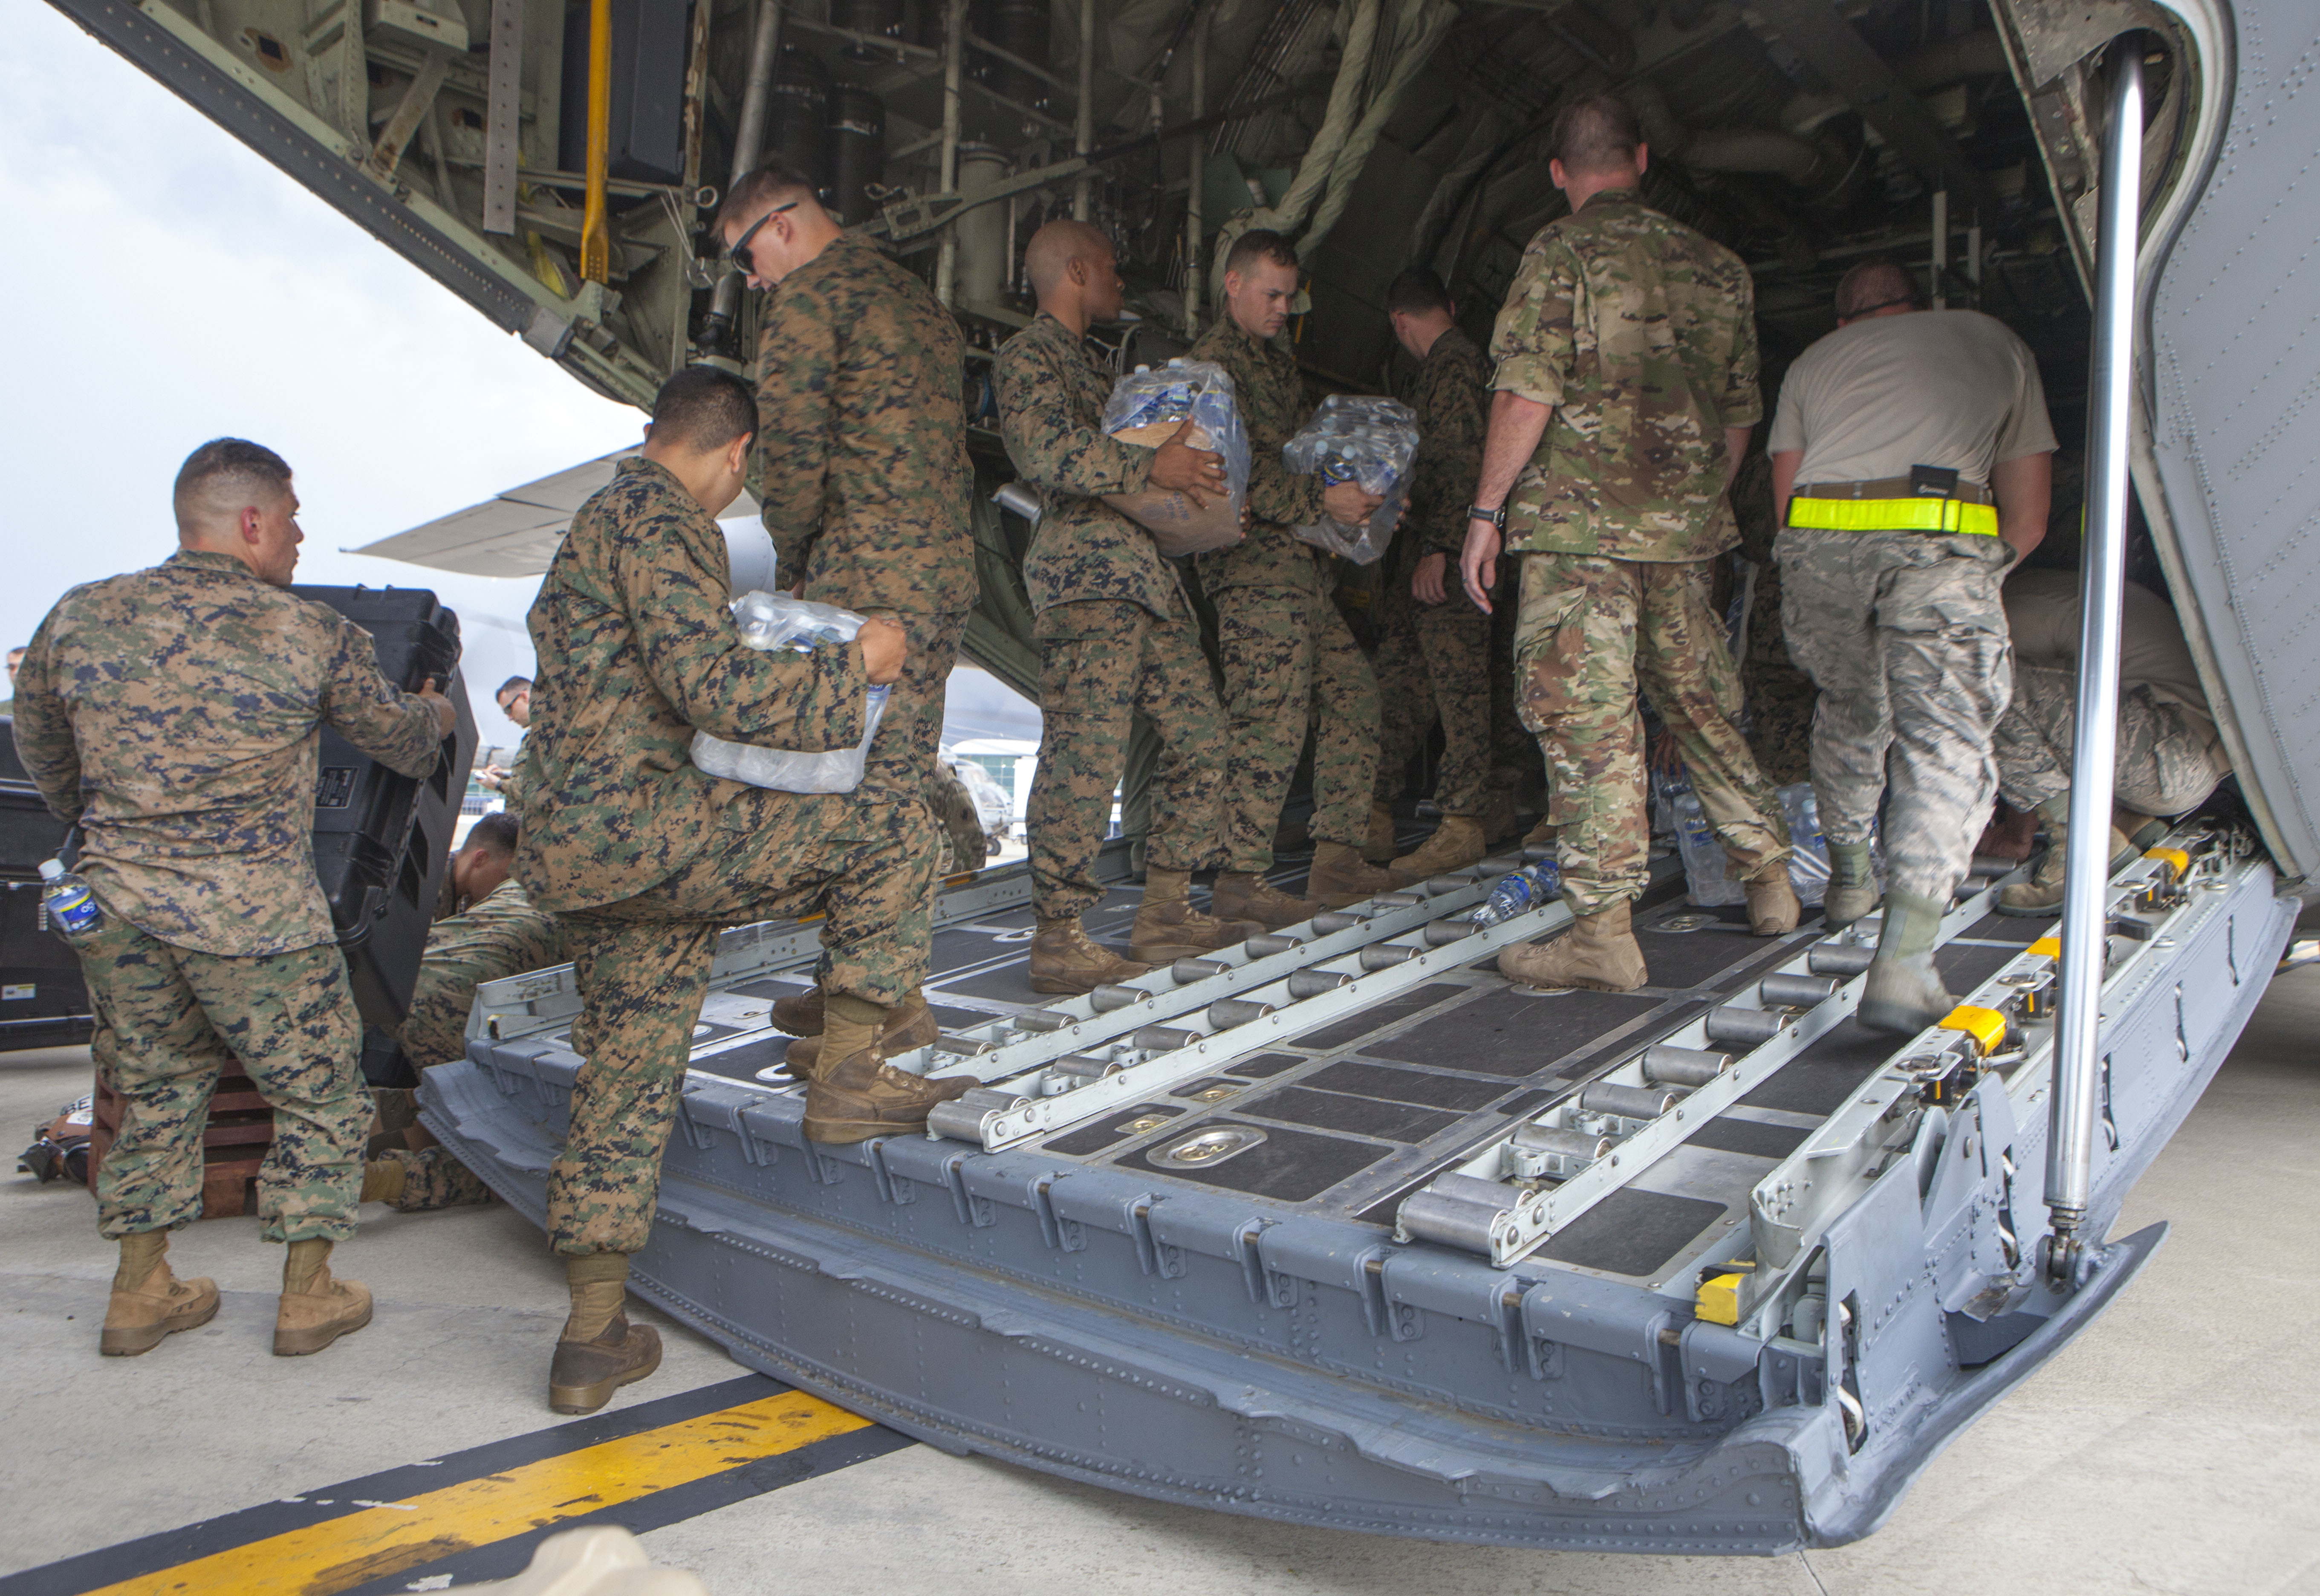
{"x":600,"y":1351}
{"x":911,"y":1024}
{"x":1244,"y":895}
{"x":1498,"y":817}
{"x":1378,"y":847}
{"x":149,"y":1303}
{"x":801,"y":1013}
{"x":1598,"y":952}
{"x":2040,"y":896}
{"x":1457,"y":843}
{"x":316,"y":1309}
{"x":1544,"y":834}
{"x":1338,"y":877}
{"x":1064,"y":960}
{"x":1168,"y":928}
{"x":1772,"y":907}
{"x":1903,"y":992}
{"x":861,"y":1096}
{"x":1851,"y":890}
{"x":2141,"y":831}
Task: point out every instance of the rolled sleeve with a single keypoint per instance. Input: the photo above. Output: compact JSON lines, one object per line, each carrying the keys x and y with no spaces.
{"x":397,"y":729}
{"x":44,"y":733}
{"x":1533,"y":342}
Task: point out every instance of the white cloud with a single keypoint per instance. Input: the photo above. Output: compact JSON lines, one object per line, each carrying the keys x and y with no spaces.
{"x":169,"y":286}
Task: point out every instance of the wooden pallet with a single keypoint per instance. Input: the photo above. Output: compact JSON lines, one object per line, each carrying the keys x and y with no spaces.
{"x":234,"y":1142}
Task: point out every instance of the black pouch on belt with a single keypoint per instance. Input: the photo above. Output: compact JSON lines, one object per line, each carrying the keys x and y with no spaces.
{"x":1933,"y":482}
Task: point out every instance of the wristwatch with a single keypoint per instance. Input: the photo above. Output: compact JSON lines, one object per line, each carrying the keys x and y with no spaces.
{"x":1497,"y":518}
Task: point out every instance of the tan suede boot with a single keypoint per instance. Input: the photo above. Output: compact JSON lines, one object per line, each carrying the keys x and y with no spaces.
{"x":382,"y":1180}
{"x":2040,"y":896}
{"x":910,"y":1024}
{"x":861,"y":1096}
{"x":316,"y":1310}
{"x":1773,"y":910}
{"x":1542,"y":835}
{"x":599,"y":1350}
{"x":1339,"y":878}
{"x":800,"y":1013}
{"x":1598,"y":952}
{"x":1064,"y":960}
{"x":1852,"y":891}
{"x":149,"y":1303}
{"x":1244,"y":895}
{"x":1168,"y":928}
{"x":1457,"y":843}
{"x":1379,"y":847}
{"x":1498,"y":817}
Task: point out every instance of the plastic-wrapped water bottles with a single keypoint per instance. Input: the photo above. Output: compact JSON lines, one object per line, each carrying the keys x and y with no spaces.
{"x":771,"y":621}
{"x":71,"y":904}
{"x":1519,"y":892}
{"x":1146,"y":408}
{"x":1706,"y":869}
{"x":1364,"y":439}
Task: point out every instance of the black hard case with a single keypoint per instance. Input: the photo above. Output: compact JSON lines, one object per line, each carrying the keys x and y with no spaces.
{"x":43,"y":1002}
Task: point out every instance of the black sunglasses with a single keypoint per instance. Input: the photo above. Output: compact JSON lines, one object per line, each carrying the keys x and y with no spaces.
{"x":737,"y":252}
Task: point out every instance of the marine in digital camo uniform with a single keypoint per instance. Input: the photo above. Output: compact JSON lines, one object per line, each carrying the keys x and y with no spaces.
{"x":863,"y":474}
{"x":1116,"y":634}
{"x":1626,"y":380}
{"x":175,"y":715}
{"x":645,"y":857}
{"x":1289,"y":658}
{"x":1912,"y":460}
{"x":1434,"y":645}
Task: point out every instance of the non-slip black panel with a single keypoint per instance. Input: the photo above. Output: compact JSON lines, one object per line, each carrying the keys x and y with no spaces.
{"x":1363,"y":1116}
{"x":1206,"y":1083}
{"x":1404,"y":1085}
{"x":1266,"y":1064}
{"x":1964,"y":969}
{"x":1751,"y":1136}
{"x":1632,"y":1232}
{"x":955,"y":1020}
{"x":959,"y":949}
{"x":773,"y":987}
{"x":1377,"y":1019}
{"x":1695,"y":959}
{"x":1826,"y":1073}
{"x":744,"y":1062}
{"x":1110,"y":1129}
{"x":2007,"y":928}
{"x":1508,"y":1034}
{"x":1525,"y":1102}
{"x":1289,"y":1165}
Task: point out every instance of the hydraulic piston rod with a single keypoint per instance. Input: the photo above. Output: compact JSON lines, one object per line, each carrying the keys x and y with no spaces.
{"x":2085,"y":917}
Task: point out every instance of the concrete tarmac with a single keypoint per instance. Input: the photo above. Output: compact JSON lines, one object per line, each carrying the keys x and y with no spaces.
{"x":2160,"y":1452}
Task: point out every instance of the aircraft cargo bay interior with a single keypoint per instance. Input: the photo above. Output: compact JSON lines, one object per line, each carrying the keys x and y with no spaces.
{"x":1228,"y":794}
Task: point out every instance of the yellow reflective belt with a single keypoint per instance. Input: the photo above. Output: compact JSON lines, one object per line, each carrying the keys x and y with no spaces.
{"x":1894,"y":515}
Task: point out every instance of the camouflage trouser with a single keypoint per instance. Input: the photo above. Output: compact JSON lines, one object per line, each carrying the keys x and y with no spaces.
{"x":433,"y":1179}
{"x":910,"y":733}
{"x":435,"y":1029}
{"x":1906,"y":636}
{"x":1100,"y":661}
{"x":1590,"y":631}
{"x":1434,"y":660}
{"x":2165,"y":764}
{"x":862,"y":859}
{"x":169,"y":1021}
{"x":1290,"y":660}
{"x":1779,"y":697}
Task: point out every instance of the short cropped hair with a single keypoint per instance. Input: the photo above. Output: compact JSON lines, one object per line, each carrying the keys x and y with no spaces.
{"x":1259,"y":243}
{"x":228,"y":466}
{"x":1873,"y":285}
{"x":500,"y":692}
{"x":1416,"y":291}
{"x":773,"y":181}
{"x":496,"y":833}
{"x":1596,"y":133}
{"x":703,"y":408}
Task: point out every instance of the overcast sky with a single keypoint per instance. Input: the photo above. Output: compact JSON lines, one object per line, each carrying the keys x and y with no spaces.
{"x":165,"y":285}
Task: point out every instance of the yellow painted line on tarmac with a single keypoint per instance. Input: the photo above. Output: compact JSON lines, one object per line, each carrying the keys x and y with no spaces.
{"x":342,"y":1553}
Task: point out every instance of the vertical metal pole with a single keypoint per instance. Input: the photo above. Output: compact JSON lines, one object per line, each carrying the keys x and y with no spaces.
{"x":595,"y":227}
{"x":1084,"y":114}
{"x":503,"y":106}
{"x":953,"y":62}
{"x":748,"y":144}
{"x":1940,"y":284}
{"x":2085,"y":917}
{"x":1195,"y":220}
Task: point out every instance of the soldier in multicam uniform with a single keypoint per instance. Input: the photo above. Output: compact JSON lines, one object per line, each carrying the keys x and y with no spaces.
{"x":645,"y":857}
{"x":2170,"y":754}
{"x":1116,"y":634}
{"x":1912,"y":464}
{"x":864,"y":475}
{"x":1434,"y":645}
{"x":1289,"y":657}
{"x":962,"y":822}
{"x":1779,"y":697}
{"x":1626,"y":388}
{"x":175,"y":715}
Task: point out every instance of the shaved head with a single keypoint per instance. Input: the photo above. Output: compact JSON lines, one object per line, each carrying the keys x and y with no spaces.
{"x":223,"y":478}
{"x":1056,"y":245}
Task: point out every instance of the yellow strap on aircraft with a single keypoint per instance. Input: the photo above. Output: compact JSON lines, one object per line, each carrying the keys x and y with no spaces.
{"x":2047,"y":948}
{"x":1894,"y":515}
{"x":2174,"y":859}
{"x":1987,"y":1026}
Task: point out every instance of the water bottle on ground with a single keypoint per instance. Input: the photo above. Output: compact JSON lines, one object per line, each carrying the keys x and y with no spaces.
{"x":1519,"y":892}
{"x":71,"y":904}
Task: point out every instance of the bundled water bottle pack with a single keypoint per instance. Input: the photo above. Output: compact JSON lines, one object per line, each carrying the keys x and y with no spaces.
{"x":1707,"y":873}
{"x":1366,"y":440}
{"x":1146,"y":408}
{"x":770,"y":621}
